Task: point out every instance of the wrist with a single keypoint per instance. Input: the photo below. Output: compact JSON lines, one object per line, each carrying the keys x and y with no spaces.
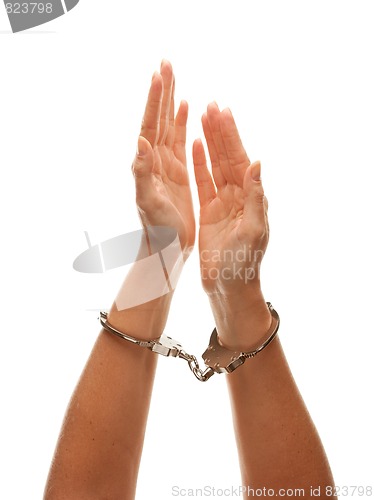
{"x":142,"y":304}
{"x":242,"y":319}
{"x":145,"y":322}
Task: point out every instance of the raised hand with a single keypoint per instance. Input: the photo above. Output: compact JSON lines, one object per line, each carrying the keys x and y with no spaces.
{"x":163,"y":192}
{"x":234,"y":229}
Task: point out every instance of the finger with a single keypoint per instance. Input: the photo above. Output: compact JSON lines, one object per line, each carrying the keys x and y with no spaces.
{"x":254,"y":216}
{"x":142,"y":168}
{"x":205,"y":185}
{"x":171,"y":129}
{"x":218,"y":177}
{"x":236,"y":153}
{"x":214,"y":119}
{"x":167,"y":78}
{"x":151,"y":120}
{"x":266,"y":204}
{"x":180,"y":133}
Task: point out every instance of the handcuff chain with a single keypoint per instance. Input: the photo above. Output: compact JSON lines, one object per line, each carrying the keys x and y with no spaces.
{"x":193,"y":364}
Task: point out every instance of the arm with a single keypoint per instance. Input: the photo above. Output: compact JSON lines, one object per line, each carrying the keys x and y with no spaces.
{"x":278,"y":445}
{"x":100,"y":445}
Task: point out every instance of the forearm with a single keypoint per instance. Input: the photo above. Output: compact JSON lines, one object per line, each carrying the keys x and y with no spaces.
{"x":100,"y":445}
{"x":278,"y":445}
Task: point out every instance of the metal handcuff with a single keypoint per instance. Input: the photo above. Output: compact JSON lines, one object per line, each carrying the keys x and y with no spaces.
{"x":217,"y":358}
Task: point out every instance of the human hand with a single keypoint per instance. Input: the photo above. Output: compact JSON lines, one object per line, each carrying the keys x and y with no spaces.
{"x":163,"y":198}
{"x":163,"y":194}
{"x":234,"y":228}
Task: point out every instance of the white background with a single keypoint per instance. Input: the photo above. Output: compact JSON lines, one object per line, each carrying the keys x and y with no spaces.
{"x":298,"y":78}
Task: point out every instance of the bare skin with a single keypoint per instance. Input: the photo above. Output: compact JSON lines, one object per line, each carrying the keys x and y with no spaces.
{"x":278,"y":445}
{"x":100,"y":445}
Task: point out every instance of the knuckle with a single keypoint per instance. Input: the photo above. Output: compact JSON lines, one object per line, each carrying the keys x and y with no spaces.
{"x":222,"y":157}
{"x":259,"y":197}
{"x":259,"y":232}
{"x":266,"y":203}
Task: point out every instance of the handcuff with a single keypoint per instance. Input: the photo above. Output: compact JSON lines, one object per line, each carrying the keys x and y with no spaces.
{"x":217,"y":358}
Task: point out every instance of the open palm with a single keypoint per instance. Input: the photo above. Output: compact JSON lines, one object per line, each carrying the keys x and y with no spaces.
{"x":233,"y":220}
{"x":163,"y":192}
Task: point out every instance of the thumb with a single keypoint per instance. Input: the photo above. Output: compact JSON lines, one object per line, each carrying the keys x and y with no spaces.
{"x":254,"y":199}
{"x":142,"y":168}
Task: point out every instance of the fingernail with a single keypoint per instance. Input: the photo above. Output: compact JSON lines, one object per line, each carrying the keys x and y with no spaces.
{"x":154,"y":75}
{"x":256,"y":171}
{"x":141,"y":150}
{"x":212,"y":104}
